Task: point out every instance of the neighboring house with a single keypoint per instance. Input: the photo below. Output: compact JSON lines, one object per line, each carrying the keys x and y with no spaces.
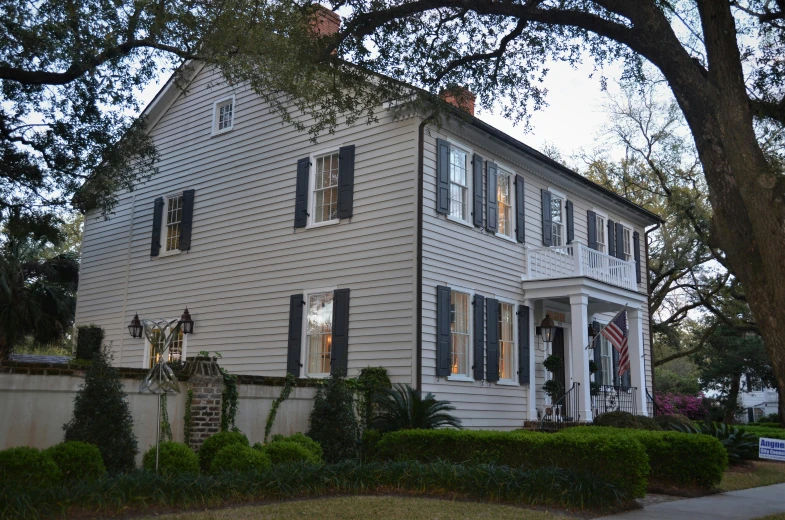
{"x":757,"y":400}
{"x":432,"y":252}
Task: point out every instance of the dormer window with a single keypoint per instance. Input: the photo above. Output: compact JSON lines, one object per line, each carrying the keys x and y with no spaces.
{"x":223,"y":115}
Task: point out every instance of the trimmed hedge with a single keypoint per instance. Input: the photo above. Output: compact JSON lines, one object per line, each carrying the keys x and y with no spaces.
{"x":619,"y":461}
{"x":239,"y":458}
{"x":306,"y":442}
{"x":25,"y":467}
{"x":212,"y":445}
{"x":677,"y":460}
{"x":174,"y":458}
{"x":620,"y":419}
{"x":282,"y":452}
{"x":762,"y":431}
{"x":77,"y":460}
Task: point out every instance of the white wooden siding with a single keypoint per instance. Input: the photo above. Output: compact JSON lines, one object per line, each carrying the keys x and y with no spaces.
{"x":246,"y":258}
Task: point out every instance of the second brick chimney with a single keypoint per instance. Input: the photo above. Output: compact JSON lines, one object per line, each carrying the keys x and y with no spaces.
{"x":460,"y":97}
{"x":325,"y":22}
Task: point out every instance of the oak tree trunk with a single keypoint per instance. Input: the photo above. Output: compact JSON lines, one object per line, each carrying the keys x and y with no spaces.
{"x":733,"y":399}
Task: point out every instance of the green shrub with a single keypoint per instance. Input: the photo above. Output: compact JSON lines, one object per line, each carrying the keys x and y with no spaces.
{"x":102,"y":416}
{"x":740,"y":445}
{"x":282,"y":452}
{"x":212,"y":445}
{"x":677,"y":460}
{"x":333,"y":421}
{"x":89,"y":339}
{"x":619,"y":461}
{"x":77,"y":460}
{"x":371,"y":381}
{"x":666,"y":422}
{"x":311,"y":445}
{"x":403,"y":408}
{"x":240,"y":458}
{"x":174,"y":458}
{"x":369,"y":441}
{"x":28,"y":467}
{"x":767,"y":425}
{"x":619,"y":419}
{"x":762,"y":431}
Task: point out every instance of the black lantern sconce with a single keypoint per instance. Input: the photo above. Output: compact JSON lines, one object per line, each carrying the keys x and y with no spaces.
{"x":547,"y":329}
{"x":186,"y":323}
{"x":594,"y":329}
{"x":135,"y":328}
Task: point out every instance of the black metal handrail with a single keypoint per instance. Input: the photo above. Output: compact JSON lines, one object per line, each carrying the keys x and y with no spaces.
{"x":565,"y":411}
{"x":614,"y":398}
{"x":656,"y":410}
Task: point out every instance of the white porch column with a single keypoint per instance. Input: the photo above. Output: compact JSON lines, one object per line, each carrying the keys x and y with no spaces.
{"x":579,"y":338}
{"x":531,"y":402}
{"x":637,"y":365}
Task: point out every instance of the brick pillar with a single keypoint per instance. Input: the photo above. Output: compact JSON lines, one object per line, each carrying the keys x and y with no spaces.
{"x":207,"y":385}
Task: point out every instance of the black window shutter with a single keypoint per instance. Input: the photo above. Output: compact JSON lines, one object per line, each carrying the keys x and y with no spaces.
{"x":592,"y":228}
{"x":339,"y":355}
{"x":187,"y":222}
{"x":442,"y":176}
{"x":477,"y":187}
{"x":295,"y":334}
{"x":524,"y":347}
{"x":636,"y":253}
{"x":492,"y":334}
{"x":611,"y":238}
{"x":619,"y":241}
{"x":598,"y":361}
{"x":442,"y":331}
{"x":301,"y":195}
{"x":547,"y":228}
{"x":615,"y":366}
{"x":346,"y":181}
{"x":520,"y":210}
{"x":570,"y":222}
{"x":491,"y":206}
{"x":479,"y":337}
{"x":158,"y":214}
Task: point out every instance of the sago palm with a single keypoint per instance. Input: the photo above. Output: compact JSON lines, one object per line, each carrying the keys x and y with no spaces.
{"x":403,"y":408}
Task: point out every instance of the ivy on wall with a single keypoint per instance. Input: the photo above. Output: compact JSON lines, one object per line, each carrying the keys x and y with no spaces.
{"x":287,"y":389}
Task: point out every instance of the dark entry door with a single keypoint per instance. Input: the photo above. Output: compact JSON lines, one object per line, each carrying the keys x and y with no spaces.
{"x":559,"y":375}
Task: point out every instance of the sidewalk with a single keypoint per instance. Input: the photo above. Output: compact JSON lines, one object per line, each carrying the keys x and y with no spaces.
{"x":746,"y":504}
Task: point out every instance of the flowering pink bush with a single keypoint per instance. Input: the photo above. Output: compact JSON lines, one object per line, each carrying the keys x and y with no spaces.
{"x":691,"y":406}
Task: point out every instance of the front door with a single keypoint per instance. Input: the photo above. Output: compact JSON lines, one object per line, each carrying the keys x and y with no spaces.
{"x":560,"y":374}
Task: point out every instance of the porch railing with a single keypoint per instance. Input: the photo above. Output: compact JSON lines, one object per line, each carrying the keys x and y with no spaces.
{"x":564,"y":412}
{"x":579,"y":260}
{"x":614,"y":398}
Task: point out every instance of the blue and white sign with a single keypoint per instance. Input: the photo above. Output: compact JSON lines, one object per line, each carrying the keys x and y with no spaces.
{"x":773,"y":449}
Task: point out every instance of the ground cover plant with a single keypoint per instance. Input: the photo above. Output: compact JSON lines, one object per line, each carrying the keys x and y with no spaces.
{"x":119,"y":494}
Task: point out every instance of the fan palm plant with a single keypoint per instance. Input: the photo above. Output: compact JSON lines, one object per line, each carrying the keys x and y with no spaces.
{"x":404,"y":408}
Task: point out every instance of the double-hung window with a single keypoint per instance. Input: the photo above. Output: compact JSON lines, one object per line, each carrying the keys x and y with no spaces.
{"x":459,"y":184}
{"x":324,"y":200}
{"x":600,"y":229}
{"x":504,"y":198}
{"x":173,"y":217}
{"x":223,"y":115}
{"x":460,"y":319}
{"x":606,"y":361}
{"x":557,"y":220}
{"x":319,"y":333}
{"x":155,"y":349}
{"x":506,"y":341}
{"x":627,"y":243}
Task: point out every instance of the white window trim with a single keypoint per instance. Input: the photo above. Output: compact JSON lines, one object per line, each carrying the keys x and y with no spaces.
{"x":515,"y":347}
{"x":216,"y":104}
{"x":469,"y":185}
{"x":312,"y":186}
{"x":512,"y":173}
{"x":563,"y":223}
{"x":626,"y":225}
{"x":147,"y":347}
{"x":602,"y":214}
{"x":466,"y":378}
{"x":163,"y":251}
{"x":304,"y":333}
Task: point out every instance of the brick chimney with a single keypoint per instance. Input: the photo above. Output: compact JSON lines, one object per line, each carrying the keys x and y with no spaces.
{"x":460,"y":97}
{"x":325,"y":22}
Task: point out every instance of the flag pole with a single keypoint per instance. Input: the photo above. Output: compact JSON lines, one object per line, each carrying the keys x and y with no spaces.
{"x":624,"y":308}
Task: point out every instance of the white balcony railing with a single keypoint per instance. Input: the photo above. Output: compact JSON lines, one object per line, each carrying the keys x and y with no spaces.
{"x":579,"y":260}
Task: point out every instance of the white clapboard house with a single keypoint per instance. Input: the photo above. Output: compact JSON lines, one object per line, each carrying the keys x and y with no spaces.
{"x":434,"y":252}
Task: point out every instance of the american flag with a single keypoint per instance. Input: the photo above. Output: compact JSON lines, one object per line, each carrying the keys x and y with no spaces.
{"x":616,"y":333}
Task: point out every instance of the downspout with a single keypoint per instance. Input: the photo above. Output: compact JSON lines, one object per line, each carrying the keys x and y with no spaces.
{"x":420,"y":197}
{"x":648,"y":301}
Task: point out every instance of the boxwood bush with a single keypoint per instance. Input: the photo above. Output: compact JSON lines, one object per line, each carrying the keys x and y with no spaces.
{"x":25,"y":467}
{"x":617,"y":460}
{"x":212,"y":445}
{"x":174,"y":458}
{"x":677,"y":460}
{"x":282,"y":452}
{"x":77,"y":460}
{"x":300,"y":438}
{"x":239,"y":458}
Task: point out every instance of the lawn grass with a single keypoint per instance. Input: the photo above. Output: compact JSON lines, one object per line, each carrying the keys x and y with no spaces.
{"x":777,"y":516}
{"x":758,"y":473}
{"x":373,"y":507}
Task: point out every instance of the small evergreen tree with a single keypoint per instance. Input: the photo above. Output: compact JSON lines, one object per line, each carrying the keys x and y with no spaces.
{"x":333,"y":421}
{"x":102,"y":416}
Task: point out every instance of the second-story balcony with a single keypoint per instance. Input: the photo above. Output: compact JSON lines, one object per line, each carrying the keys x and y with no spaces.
{"x":579,"y":260}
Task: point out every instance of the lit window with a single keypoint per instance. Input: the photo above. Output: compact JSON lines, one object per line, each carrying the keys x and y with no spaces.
{"x":459,"y":186}
{"x":325,"y":192}
{"x":506,"y":341}
{"x":504,"y":202}
{"x":557,"y":221}
{"x":176,"y":349}
{"x":174,"y":216}
{"x":627,"y":242}
{"x":459,"y":328}
{"x":319,"y":332}
{"x":606,"y":362}
{"x":600,"y":226}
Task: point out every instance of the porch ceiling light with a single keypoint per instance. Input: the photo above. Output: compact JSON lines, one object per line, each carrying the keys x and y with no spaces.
{"x":547,"y":329}
{"x":186,"y":323}
{"x":135,"y":328}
